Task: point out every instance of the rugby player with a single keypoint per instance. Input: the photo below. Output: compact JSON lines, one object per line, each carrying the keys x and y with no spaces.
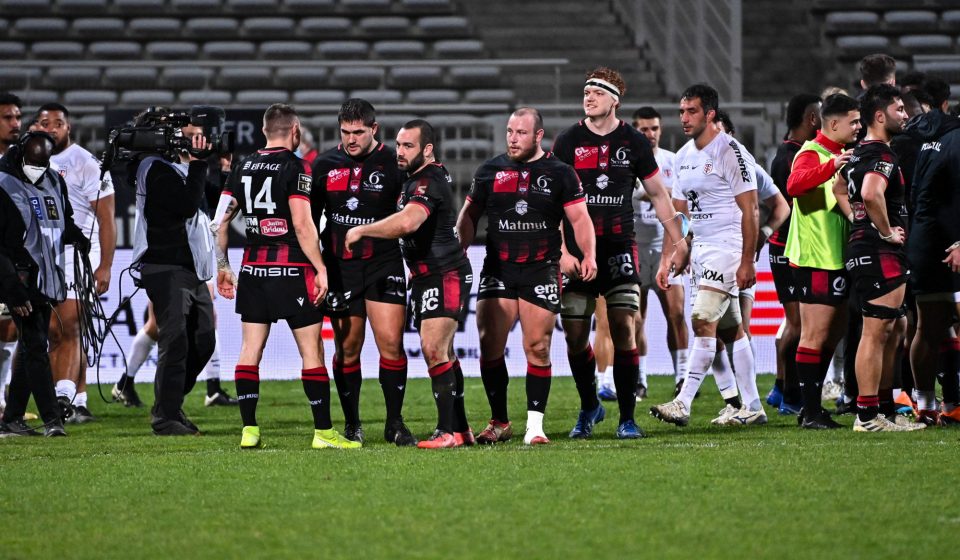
{"x":10,"y":123}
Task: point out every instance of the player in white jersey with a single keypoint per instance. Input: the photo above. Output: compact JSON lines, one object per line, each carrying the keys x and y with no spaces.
{"x":93,"y":209}
{"x":716,"y":186}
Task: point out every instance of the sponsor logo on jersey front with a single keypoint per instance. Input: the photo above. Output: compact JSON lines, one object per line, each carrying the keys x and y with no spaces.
{"x":521,"y":207}
{"x":741,"y":163}
{"x":586,"y":157}
{"x":273,"y":227}
{"x":541,"y":185}
{"x":602,"y":181}
{"x":604,"y":200}
{"x":338,"y":179}
{"x":505,"y":224}
{"x":253,"y":224}
{"x":506,"y":181}
{"x":353,"y":203}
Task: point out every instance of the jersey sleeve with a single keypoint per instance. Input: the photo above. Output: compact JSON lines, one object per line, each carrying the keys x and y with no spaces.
{"x":562,"y":148}
{"x":428,"y":194}
{"x":766,"y":188}
{"x":296,"y":180}
{"x":571,"y":191}
{"x":645,"y":165}
{"x":739,"y":169}
{"x":479,"y":187}
{"x":881,"y":164}
{"x":91,"y":181}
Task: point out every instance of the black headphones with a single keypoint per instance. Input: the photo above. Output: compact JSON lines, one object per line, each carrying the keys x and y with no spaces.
{"x":28,"y":136}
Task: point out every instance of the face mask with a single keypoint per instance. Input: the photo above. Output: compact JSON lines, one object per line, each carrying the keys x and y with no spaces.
{"x":33,"y":172}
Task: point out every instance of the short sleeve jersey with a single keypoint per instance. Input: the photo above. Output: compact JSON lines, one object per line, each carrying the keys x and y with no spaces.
{"x":608,"y":167}
{"x":646,"y":224}
{"x":524,"y":204}
{"x":263,"y":184}
{"x":434,"y":247}
{"x":351,"y":192}
{"x":709,"y":180}
{"x":875,"y":157}
{"x":81,"y":172}
{"x":780,"y":172}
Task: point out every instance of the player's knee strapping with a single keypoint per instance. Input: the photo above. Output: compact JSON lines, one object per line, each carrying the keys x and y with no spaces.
{"x":710,"y":306}
{"x":882,"y":311}
{"x":577,"y":306}
{"x":624,"y":296}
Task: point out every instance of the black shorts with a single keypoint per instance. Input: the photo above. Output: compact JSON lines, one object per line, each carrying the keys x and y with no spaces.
{"x":445,"y":294}
{"x":824,"y":287}
{"x":537,"y":283}
{"x":617,"y":264}
{"x":266,"y":294}
{"x":783,"y":278}
{"x":926,"y":249}
{"x":352,"y":282}
{"x":875,"y":272}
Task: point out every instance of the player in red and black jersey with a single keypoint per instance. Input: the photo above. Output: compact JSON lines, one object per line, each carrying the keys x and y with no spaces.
{"x":353,"y":184}
{"x":610,"y":156}
{"x":525,"y":194}
{"x":875,"y":257}
{"x":425,"y":223}
{"x":282,"y":275}
{"x":803,"y":122}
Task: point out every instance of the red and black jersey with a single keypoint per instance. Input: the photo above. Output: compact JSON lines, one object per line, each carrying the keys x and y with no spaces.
{"x":609,"y":167}
{"x":875,"y":157}
{"x":263,"y":183}
{"x":355,"y":191}
{"x":524,"y":205}
{"x":434,"y":248}
{"x":780,"y":172}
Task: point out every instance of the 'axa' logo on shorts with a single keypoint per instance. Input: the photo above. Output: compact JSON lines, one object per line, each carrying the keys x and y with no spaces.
{"x":621,"y":266}
{"x":712,"y":275}
{"x":273,"y":227}
{"x":430,"y":300}
{"x":548,"y":292}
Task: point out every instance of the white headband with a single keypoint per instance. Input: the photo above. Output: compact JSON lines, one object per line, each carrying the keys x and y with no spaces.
{"x":605,"y":85}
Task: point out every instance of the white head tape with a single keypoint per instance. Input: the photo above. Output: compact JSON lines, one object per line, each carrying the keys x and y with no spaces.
{"x":604,"y":85}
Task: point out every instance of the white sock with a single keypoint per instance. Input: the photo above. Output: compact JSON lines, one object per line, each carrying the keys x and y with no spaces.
{"x":139,"y":350}
{"x":723,"y":375}
{"x":680,"y":359}
{"x":6,"y":361}
{"x":212,"y":369}
{"x":926,"y":400}
{"x":81,"y":399}
{"x":643,"y":370}
{"x":743,"y":366}
{"x":704,"y":349}
{"x":606,"y":377}
{"x":836,"y":364}
{"x":66,"y":388}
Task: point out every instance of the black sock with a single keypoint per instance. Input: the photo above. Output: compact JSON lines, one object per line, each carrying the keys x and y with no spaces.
{"x":460,"y":423}
{"x":779,"y":385}
{"x":583,"y":367}
{"x":213,"y":386}
{"x":247,"y":380}
{"x":393,"y":383}
{"x":444,"y":385}
{"x":538,"y":387}
{"x":868,"y":407}
{"x":949,"y":367}
{"x":495,"y":381}
{"x":887,"y":406}
{"x":626,"y":372}
{"x":348,"y":379}
{"x":735,"y":402}
{"x":316,"y":385}
{"x":121,"y":383}
{"x":811,"y":380}
{"x":791,"y":380}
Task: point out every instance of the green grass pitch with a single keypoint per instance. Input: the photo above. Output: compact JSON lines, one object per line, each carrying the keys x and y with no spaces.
{"x":112,"y":490}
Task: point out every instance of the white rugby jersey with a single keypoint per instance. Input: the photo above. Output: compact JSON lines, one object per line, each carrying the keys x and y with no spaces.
{"x":646,"y":225}
{"x":708,"y":180}
{"x":81,"y":171}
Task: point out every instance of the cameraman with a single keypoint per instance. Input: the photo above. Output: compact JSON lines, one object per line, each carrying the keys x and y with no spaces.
{"x":36,"y":219}
{"x":173,"y":251}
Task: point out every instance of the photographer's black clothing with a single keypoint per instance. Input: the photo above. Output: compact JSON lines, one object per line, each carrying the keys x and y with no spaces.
{"x":31,"y":368}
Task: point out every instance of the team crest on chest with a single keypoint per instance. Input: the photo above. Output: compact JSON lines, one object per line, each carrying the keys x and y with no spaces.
{"x":708,"y":167}
{"x":602,"y":182}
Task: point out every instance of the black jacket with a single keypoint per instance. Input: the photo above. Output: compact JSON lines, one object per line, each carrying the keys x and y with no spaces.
{"x":167,"y":208}
{"x":936,"y":181}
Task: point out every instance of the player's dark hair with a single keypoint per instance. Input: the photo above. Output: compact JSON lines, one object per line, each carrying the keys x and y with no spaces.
{"x":877,"y":68}
{"x":537,"y":117}
{"x":427,"y":133}
{"x":912,"y":79}
{"x":709,"y":98}
{"x":937,"y":90}
{"x":838,"y":104}
{"x":356,"y":109}
{"x":723,"y":117}
{"x":646,"y":112}
{"x":53,"y":107}
{"x":876,"y":98}
{"x":279,"y":118}
{"x":7,"y":98}
{"x":797,"y":108}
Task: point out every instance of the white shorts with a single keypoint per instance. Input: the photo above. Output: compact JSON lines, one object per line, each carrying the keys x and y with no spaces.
{"x":68,"y":267}
{"x":649,"y":260}
{"x":715,"y":267}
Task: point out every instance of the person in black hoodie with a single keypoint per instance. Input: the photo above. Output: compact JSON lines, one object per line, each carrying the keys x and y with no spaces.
{"x":36,"y":220}
{"x":935,"y":234}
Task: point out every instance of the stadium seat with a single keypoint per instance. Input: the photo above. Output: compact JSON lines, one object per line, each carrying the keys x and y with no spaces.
{"x":57,"y":50}
{"x":454,"y":121}
{"x":433,"y":96}
{"x":308,"y":6}
{"x":340,"y":50}
{"x":260,"y":27}
{"x":40,"y":27}
{"x":379,"y":96}
{"x":12,"y":50}
{"x":4,"y":27}
{"x":204,"y":97}
{"x":951,"y":19}
{"x":318,"y":97}
{"x":416,"y":76}
{"x":392,"y":122}
{"x":279,"y":50}
{"x":138,"y":77}
{"x":146,"y":97}
{"x":98,"y":28}
{"x":458,"y":48}
{"x":947,"y":69}
{"x":443,"y":26}
{"x":911,"y":20}
{"x":252,"y":6}
{"x":35,"y":97}
{"x":69,"y":77}
{"x":489,"y":96}
{"x":301,"y":78}
{"x":360,"y":77}
{"x":263,"y":97}
{"x":863,"y":43}
{"x":114,"y":49}
{"x":360,"y":6}
{"x":139,"y":6}
{"x":212,"y":28}
{"x":399,"y":49}
{"x":196,"y":6}
{"x":475,"y":76}
{"x":155,"y":27}
{"x":171,"y":50}
{"x":846,"y":22}
{"x":324,"y":27}
{"x":20,"y":78}
{"x":24,"y":6}
{"x":85,"y":7}
{"x":93,"y":120}
{"x":229,"y":50}
{"x":244,"y":77}
{"x":426,"y":5}
{"x":926,"y":43}
{"x":385,"y":25}
{"x":186,"y":77}
{"x":462,"y":148}
{"x":89,"y":97}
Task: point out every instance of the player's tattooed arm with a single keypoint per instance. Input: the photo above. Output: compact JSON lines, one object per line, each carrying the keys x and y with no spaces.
{"x":226,"y":279}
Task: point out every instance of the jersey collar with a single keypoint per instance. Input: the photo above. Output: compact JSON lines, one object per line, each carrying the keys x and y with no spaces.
{"x":829,"y":144}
